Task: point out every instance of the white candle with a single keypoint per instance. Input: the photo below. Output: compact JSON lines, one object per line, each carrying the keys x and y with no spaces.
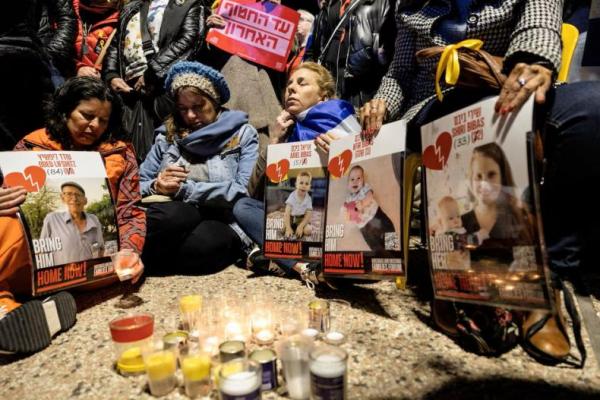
{"x":328,"y":366}
{"x":211,"y":345}
{"x":264,"y":336}
{"x":310,"y":332}
{"x":298,"y":386}
{"x":240,"y":383}
{"x":124,"y":273}
{"x":334,"y":337}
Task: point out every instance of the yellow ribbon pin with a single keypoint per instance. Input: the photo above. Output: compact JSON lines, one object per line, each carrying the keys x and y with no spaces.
{"x":449,"y":62}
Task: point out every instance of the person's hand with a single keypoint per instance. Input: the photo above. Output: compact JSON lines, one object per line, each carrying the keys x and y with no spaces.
{"x":120,"y":86}
{"x":299,"y":231}
{"x":140,"y":84}
{"x":138,"y":271}
{"x":523,"y":81}
{"x":282,"y":124}
{"x":170,"y":179}
{"x":481,"y":235}
{"x":289,"y":232}
{"x":10,"y":200}
{"x":371,"y":116}
{"x":88,"y":71}
{"x":216,"y":21}
{"x":324,"y":140}
{"x":359,"y":205}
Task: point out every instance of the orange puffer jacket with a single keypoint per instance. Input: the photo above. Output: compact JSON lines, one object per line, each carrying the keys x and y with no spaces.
{"x":122,"y":171}
{"x":93,"y":36}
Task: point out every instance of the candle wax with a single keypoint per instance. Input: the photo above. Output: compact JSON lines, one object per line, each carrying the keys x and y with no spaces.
{"x":264,"y":336}
{"x":328,"y":366}
{"x":240,"y":383}
{"x":310,"y":332}
{"x":334,"y":337}
{"x":298,"y":386}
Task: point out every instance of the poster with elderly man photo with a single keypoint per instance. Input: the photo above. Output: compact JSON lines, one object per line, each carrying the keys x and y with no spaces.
{"x":68,"y":215}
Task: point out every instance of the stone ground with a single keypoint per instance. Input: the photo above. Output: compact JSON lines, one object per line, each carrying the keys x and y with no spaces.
{"x":394,"y":351}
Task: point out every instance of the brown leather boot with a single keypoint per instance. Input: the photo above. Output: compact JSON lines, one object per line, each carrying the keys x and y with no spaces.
{"x":545,"y":337}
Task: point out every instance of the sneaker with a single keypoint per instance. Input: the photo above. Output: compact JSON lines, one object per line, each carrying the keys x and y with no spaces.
{"x":312,"y":275}
{"x":257,"y":262}
{"x":29,"y":327}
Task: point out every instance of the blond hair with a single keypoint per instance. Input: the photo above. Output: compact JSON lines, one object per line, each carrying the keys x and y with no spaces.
{"x":324,"y":80}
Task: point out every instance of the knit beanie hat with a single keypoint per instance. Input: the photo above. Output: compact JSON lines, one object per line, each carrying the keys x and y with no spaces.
{"x":198,"y":75}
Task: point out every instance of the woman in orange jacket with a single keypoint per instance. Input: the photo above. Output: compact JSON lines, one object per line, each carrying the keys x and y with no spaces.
{"x":85,"y":115}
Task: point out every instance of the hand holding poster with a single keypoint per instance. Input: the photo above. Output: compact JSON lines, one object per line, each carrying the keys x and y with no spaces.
{"x":68,"y":216}
{"x":484,"y":239}
{"x":363,"y":230}
{"x":262,"y":32}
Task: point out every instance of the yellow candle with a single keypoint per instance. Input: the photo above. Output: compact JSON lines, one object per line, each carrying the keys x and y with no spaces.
{"x":191,"y":303}
{"x":160,"y":365}
{"x":196,"y":367}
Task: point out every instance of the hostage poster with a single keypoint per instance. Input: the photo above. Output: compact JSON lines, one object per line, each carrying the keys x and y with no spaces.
{"x":295,"y":201}
{"x":482,"y":214}
{"x":363,"y":231}
{"x":262,"y":32}
{"x":68,"y":216}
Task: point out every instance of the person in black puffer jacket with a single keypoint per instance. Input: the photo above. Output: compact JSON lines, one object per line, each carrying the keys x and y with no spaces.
{"x":359,"y":52}
{"x":24,"y":75}
{"x":57,"y":28}
{"x":176,"y":30}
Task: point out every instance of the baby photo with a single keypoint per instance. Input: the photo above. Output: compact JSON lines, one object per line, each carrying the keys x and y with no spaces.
{"x":295,"y":207}
{"x":366,"y":201}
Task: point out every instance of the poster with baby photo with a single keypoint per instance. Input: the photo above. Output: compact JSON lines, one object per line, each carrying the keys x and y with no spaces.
{"x":68,"y":216}
{"x":363,"y":225}
{"x":295,"y":201}
{"x":483,"y":230}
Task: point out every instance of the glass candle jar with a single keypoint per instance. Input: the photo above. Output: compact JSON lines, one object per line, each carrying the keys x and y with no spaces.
{"x":294,"y":354}
{"x":196,"y":374}
{"x":240,"y":379}
{"x":131,"y":331}
{"x":328,"y":372}
{"x":161,"y":366}
{"x":190,"y":307}
{"x":318,"y":315}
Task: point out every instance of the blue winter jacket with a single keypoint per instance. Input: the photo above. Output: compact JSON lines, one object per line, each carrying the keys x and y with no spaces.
{"x":229,"y":149}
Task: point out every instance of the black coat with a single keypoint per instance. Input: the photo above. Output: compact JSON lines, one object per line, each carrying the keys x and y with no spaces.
{"x":57,"y":30}
{"x":181,"y":33}
{"x":367,"y":48}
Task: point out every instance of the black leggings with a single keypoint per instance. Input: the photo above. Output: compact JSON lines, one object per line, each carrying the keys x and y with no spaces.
{"x":196,"y":239}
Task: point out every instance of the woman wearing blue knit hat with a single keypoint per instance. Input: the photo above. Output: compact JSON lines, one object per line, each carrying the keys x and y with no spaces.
{"x":200,"y":165}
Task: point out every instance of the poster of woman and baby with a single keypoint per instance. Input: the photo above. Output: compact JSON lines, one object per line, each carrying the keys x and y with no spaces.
{"x":483,"y":234}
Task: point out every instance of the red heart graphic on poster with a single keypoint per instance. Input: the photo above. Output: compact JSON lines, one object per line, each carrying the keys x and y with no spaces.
{"x":339,"y":164}
{"x":436,"y":155}
{"x":32,"y":178}
{"x":278,"y":171}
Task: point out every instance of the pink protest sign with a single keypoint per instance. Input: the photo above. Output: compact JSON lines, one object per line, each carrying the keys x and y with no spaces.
{"x":261,"y":32}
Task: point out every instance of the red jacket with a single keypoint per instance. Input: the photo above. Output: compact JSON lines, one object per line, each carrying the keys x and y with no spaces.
{"x":92,"y":37}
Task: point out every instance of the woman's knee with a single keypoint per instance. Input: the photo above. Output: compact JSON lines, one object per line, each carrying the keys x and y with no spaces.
{"x":171,"y":217}
{"x":211,"y":244}
{"x":246,"y":206}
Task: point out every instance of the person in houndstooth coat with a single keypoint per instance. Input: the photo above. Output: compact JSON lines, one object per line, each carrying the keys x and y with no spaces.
{"x":527,"y":34}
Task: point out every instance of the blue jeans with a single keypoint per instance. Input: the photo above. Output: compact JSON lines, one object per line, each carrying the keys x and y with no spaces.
{"x":571,"y":216}
{"x":250,"y":216}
